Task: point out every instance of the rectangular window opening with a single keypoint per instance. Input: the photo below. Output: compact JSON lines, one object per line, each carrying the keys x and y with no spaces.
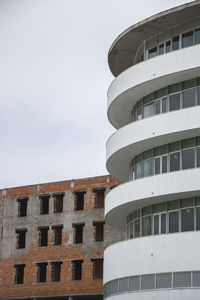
{"x":77,"y":269}
{"x":44,"y":204}
{"x":79,"y":200}
{"x":97,"y":268}
{"x":99,"y":197}
{"x":57,"y":237}
{"x":41,"y":272}
{"x":19,"y":274}
{"x":22,"y":207}
{"x":99,"y":231}
{"x":78,"y":233}
{"x":21,"y":238}
{"x":58,"y":203}
{"x":43,"y":236}
{"x":56,"y":270}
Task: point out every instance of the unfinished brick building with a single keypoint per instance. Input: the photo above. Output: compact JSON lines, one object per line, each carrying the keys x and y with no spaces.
{"x":52,"y":238}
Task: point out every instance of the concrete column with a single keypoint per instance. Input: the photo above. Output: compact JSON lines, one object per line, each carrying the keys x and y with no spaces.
{"x":70,"y":298}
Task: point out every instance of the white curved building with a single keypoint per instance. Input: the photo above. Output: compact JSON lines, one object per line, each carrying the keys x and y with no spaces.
{"x":154,"y":103}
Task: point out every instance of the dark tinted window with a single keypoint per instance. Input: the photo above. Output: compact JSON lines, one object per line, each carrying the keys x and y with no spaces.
{"x":175,"y":161}
{"x":173,"y":221}
{"x":175,"y":101}
{"x":188,"y":98}
{"x":187,"y":39}
{"x":187,"y":219}
{"x":175,"y":43}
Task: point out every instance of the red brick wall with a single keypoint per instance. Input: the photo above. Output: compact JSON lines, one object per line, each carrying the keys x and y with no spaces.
{"x":63,"y":253}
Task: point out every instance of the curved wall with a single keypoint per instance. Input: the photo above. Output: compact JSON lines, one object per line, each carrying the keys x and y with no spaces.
{"x":148,"y":76}
{"x":179,"y":294}
{"x":165,"y":253}
{"x":149,"y":190}
{"x":146,"y":134}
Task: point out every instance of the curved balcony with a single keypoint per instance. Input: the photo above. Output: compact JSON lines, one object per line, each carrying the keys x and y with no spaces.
{"x":183,"y":294}
{"x":148,"y":133}
{"x":149,"y":190}
{"x":148,"y":76}
{"x":152,"y":255}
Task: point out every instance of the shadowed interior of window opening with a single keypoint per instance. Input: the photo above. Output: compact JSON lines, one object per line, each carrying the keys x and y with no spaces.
{"x":179,"y":215}
{"x":99,"y":197}
{"x":22,"y":207}
{"x":58,"y":202}
{"x":79,"y":200}
{"x":44,"y":204}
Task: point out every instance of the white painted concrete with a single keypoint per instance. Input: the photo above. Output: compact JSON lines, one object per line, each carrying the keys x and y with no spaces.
{"x":181,"y":294}
{"x":146,"y":134}
{"x":132,"y":195}
{"x":153,"y":254}
{"x":147,"y":77}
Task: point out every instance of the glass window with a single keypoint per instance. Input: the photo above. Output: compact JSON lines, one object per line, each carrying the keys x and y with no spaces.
{"x":148,"y":167}
{"x":174,"y":88}
{"x":164,"y":164}
{"x":138,"y":171}
{"x":172,"y":205}
{"x":163,"y":223}
{"x":164,"y":105}
{"x":175,"y":43}
{"x":146,"y":226}
{"x":174,"y":146}
{"x":128,"y":231}
{"x":153,"y":52}
{"x":188,"y":202}
{"x":198,"y":157}
{"x":147,"y":154}
{"x":187,"y":39}
{"x":147,"y":210}
{"x":161,"y":150}
{"x":148,"y":99}
{"x":157,"y":107}
{"x":161,"y":49}
{"x":197,"y":36}
{"x":156,"y":224}
{"x":168,"y":46}
{"x":160,"y":207}
{"x":139,"y":114}
{"x":187,"y":143}
{"x":188,"y":98}
{"x":173,"y":221}
{"x":174,"y":101}
{"x":187,"y":219}
{"x":161,"y":93}
{"x":188,"y":158}
{"x":198,"y":218}
{"x":174,"y":161}
{"x":136,"y":214}
{"x":198,"y":96}
{"x":157,"y":165}
{"x":137,"y":228}
{"x":131,"y":230}
{"x":188,"y":84}
{"x":148,"y":110}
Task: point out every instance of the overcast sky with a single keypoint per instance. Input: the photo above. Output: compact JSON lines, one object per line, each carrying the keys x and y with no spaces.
{"x":53,"y":82}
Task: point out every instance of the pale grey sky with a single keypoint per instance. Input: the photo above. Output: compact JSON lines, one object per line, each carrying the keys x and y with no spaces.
{"x":53,"y":82}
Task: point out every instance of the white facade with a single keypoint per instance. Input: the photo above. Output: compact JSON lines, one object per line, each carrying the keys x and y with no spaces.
{"x":154,"y":103}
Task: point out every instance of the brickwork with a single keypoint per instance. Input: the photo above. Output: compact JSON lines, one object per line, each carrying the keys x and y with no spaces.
{"x":67,"y":252}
